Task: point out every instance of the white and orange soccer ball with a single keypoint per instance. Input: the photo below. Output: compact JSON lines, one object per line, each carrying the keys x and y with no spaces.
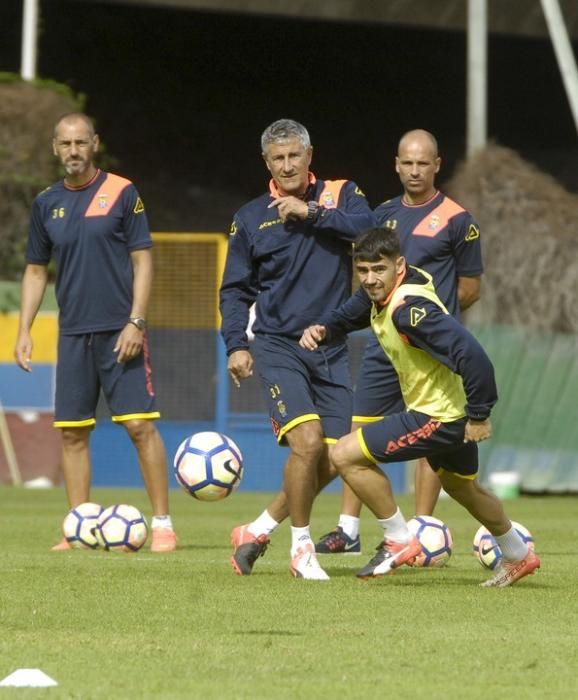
{"x":487,"y":549}
{"x":121,"y":528}
{"x":79,"y":524}
{"x":208,"y":466}
{"x":435,"y":539}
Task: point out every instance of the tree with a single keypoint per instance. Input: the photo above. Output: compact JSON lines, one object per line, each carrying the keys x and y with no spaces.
{"x":28,"y":112}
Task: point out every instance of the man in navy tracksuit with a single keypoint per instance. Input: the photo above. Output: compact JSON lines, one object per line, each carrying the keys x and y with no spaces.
{"x":290,"y":252}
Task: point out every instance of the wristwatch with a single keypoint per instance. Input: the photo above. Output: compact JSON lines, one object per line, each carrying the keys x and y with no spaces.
{"x":139,"y":322}
{"x":312,"y":209}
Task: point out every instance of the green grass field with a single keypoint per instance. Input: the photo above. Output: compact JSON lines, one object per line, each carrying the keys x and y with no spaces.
{"x":183,"y":625}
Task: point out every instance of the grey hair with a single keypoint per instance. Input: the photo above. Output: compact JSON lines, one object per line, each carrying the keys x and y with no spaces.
{"x":283,"y":130}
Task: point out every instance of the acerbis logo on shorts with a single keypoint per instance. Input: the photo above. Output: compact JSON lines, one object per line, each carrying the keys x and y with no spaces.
{"x":408,"y":439}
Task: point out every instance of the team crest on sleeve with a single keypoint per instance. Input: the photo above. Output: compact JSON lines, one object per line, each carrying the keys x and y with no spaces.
{"x":473,"y":233}
{"x":390,"y":224}
{"x":416,"y":315}
{"x":139,"y":206}
{"x":233,"y":229}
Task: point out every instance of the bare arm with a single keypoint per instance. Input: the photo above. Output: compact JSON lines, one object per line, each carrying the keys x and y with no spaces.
{"x":131,"y":339}
{"x":142,"y":265}
{"x":468,"y":291}
{"x":32,"y":292}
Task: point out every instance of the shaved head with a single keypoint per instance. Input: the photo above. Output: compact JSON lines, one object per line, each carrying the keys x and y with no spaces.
{"x":74,"y":117}
{"x":75,"y":144}
{"x":417,"y":163}
{"x":420,"y":136}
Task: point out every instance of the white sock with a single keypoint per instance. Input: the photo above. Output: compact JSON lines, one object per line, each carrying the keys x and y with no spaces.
{"x":350,"y":525}
{"x":512,"y":545}
{"x":263,"y":525}
{"x":395,"y":528}
{"x":299,"y":536}
{"x":162,"y":521}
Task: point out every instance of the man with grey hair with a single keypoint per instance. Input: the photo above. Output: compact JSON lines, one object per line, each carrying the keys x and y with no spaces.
{"x":282,"y":130}
{"x":289,"y":251}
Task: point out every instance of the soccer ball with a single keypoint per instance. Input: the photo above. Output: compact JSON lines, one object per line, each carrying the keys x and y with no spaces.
{"x":208,"y":466}
{"x":78,"y":526}
{"x":435,"y":539}
{"x":121,"y":528}
{"x":487,"y":549}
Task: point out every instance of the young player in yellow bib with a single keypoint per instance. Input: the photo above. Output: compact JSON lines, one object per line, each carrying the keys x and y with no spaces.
{"x":448,"y":387}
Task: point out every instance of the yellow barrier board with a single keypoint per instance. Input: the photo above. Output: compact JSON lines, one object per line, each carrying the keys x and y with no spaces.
{"x":44,"y":337}
{"x":188,"y":268}
{"x":185,"y":295}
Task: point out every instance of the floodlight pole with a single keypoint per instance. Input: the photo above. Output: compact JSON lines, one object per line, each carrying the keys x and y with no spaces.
{"x":29,"y":39}
{"x":477,"y":75}
{"x":563,"y":51}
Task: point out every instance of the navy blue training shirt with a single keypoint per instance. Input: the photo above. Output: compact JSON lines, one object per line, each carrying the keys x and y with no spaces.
{"x":90,"y":231}
{"x":438,"y":236}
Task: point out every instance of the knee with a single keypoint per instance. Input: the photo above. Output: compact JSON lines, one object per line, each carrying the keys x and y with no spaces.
{"x":139,"y":430}
{"x":338,"y":458}
{"x":307,"y":442}
{"x":75,"y":438}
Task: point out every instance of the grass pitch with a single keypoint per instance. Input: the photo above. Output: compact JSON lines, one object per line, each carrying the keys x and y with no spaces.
{"x":182,"y":625}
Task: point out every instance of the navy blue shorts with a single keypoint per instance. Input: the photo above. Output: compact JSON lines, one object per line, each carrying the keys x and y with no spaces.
{"x":87,"y":364}
{"x":377,"y":392}
{"x":300,"y":385}
{"x":411,"y":435}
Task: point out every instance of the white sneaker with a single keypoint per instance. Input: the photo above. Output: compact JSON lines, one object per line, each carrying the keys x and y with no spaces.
{"x":304,"y":564}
